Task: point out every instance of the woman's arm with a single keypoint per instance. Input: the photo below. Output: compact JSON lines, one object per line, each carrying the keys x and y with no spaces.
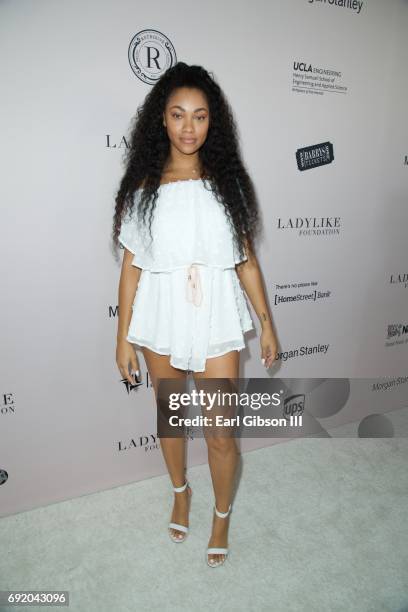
{"x":129,"y":279}
{"x":250,"y":276}
{"x":125,"y":354}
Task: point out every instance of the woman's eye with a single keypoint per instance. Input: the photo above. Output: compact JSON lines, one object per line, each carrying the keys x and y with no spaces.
{"x":177,"y":115}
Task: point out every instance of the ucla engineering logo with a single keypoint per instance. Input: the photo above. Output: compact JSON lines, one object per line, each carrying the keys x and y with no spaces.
{"x":150,"y":54}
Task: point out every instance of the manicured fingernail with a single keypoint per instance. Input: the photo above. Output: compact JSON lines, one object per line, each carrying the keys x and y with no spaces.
{"x":263,"y":361}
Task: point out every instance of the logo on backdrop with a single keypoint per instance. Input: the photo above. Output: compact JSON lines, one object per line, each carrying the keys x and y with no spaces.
{"x":148,"y":442}
{"x":7,"y":404}
{"x":354,"y":5}
{"x":389,"y":383}
{"x":145,"y":442}
{"x":398,"y":332}
{"x":302,"y":351}
{"x":317,"y":80}
{"x":150,"y":54}
{"x":294,"y":405}
{"x":400,"y":279}
{"x":3,"y":476}
{"x":314,"y":156}
{"x":311,"y":226}
{"x":299,"y":292}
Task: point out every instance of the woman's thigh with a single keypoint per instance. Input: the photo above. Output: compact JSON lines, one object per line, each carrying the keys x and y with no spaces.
{"x":225,"y":369}
{"x":224,"y":366}
{"x":159,"y":367}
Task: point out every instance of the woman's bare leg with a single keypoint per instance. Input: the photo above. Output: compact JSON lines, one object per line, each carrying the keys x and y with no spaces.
{"x":173,"y":449}
{"x":223,"y":453}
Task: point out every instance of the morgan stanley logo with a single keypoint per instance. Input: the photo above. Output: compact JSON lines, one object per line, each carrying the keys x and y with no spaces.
{"x":353,"y":5}
{"x":150,"y":54}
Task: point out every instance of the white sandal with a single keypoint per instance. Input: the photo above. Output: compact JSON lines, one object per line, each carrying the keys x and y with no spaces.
{"x":218,"y":551}
{"x":183,"y":528}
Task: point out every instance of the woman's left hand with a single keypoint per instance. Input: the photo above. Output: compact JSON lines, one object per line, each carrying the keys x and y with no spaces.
{"x":269,"y":347}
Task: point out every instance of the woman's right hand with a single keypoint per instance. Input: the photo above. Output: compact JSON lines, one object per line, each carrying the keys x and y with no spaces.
{"x":125,"y":357}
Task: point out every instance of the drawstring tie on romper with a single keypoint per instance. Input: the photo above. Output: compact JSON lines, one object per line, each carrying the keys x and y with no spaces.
{"x":194,"y":292}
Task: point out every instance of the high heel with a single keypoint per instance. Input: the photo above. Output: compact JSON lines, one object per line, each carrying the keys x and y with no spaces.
{"x":218,"y":551}
{"x":180,"y":538}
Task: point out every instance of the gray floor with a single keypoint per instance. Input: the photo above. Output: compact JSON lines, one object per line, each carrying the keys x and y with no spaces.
{"x":317,"y":525}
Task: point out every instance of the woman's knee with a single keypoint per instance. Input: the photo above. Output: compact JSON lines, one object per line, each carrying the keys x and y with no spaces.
{"x":221,"y":445}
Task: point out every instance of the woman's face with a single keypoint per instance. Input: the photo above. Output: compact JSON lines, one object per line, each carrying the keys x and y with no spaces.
{"x":186,"y":118}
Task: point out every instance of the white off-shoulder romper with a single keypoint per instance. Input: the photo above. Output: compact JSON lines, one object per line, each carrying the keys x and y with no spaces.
{"x":189,"y":303}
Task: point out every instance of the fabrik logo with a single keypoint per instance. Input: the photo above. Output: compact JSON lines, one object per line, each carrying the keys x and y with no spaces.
{"x":150,"y":54}
{"x":314,"y":155}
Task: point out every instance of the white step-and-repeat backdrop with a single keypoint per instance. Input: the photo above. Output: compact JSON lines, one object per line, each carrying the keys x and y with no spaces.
{"x":319,"y":92}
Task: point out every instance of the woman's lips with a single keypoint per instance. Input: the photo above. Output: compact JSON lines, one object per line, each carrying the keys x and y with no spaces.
{"x":188,"y":140}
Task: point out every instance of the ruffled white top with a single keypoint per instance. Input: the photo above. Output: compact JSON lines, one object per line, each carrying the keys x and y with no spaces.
{"x":189,"y":303}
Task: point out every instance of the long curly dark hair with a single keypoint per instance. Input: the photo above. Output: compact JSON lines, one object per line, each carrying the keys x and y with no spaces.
{"x":219,"y":156}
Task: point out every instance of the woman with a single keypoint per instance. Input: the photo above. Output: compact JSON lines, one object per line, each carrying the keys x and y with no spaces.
{"x":186,"y":214}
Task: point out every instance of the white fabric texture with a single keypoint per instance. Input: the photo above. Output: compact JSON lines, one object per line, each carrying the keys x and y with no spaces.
{"x":189,"y":303}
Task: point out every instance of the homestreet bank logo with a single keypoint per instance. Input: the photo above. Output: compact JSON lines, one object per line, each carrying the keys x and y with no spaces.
{"x":300,"y":292}
{"x":150,"y":54}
